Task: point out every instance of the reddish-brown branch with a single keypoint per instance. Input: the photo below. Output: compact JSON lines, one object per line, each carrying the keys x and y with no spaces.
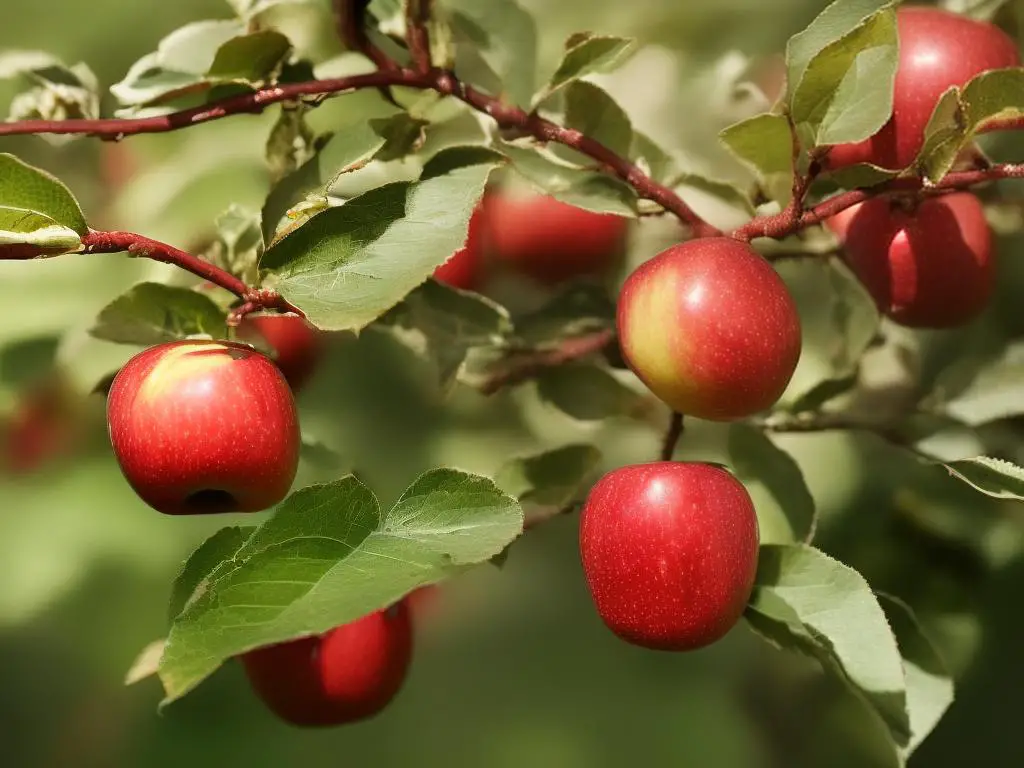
{"x":253,"y":299}
{"x":417,"y":16}
{"x":348,"y":18}
{"x":522,"y":367}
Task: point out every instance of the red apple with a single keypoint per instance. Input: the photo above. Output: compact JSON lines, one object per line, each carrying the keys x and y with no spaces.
{"x":551,"y":241}
{"x":298,"y":346}
{"x":669,"y":551}
{"x":927,"y":267}
{"x":938,"y":49}
{"x":464,"y":269}
{"x":204,"y":427}
{"x":710,"y":328}
{"x":41,"y":428}
{"x":840,"y":223}
{"x":351,"y":673}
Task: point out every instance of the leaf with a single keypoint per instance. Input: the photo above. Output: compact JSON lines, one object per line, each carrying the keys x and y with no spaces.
{"x":657,"y":162}
{"x":846,"y":91}
{"x":995,"y":392}
{"x":350,"y":264}
{"x":960,"y":113}
{"x":929,"y":683}
{"x":254,"y":58}
{"x":193,"y":47}
{"x":785,"y":508}
{"x":587,"y":55}
{"x":993,"y":477}
{"x":204,"y":563}
{"x":153,"y":313}
{"x":444,"y":323}
{"x":548,"y":482}
{"x":146,"y":663}
{"x":806,"y":601}
{"x":592,"y":112}
{"x":329,"y":556}
{"x":504,"y":37}
{"x":692,"y":186}
{"x":26,"y":234}
{"x":587,"y":393}
{"x":57,"y":92}
{"x":590,"y":190}
{"x":23,"y":186}
{"x":575,"y":311}
{"x":765,"y":145}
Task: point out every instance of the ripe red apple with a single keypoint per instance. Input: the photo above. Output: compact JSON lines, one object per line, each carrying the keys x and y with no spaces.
{"x":204,"y":427}
{"x":927,"y":267}
{"x":669,"y":551}
{"x":840,"y":223}
{"x":351,"y":673}
{"x":297,"y":344}
{"x":551,"y":241}
{"x":938,"y":49}
{"x":41,"y":428}
{"x":710,"y":328}
{"x":464,"y":269}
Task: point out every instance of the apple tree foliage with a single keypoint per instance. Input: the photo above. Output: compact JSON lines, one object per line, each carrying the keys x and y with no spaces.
{"x":372,"y":189}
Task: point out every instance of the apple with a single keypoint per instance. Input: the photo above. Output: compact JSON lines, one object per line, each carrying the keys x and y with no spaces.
{"x":938,"y":49}
{"x":840,"y":223}
{"x":204,"y":427}
{"x":298,"y":346}
{"x":464,"y":269}
{"x":350,"y":673}
{"x":41,"y":428}
{"x":710,"y":328}
{"x":551,"y":241}
{"x":929,"y":266}
{"x":669,"y":551}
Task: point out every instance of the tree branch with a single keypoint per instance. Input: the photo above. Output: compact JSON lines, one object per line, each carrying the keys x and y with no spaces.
{"x":349,"y":16}
{"x":253,"y":299}
{"x":417,"y":37}
{"x":526,"y":366}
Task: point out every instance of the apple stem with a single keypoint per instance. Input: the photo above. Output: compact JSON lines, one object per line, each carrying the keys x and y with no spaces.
{"x":253,"y":299}
{"x":349,"y":17}
{"x":672,"y":435}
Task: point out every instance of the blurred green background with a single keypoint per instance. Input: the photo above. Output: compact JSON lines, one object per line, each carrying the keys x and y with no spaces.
{"x":513,"y":667}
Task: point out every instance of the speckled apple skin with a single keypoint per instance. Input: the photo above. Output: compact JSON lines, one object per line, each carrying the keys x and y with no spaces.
{"x":193,"y":416}
{"x":938,"y":49}
{"x":351,"y":673}
{"x":669,"y":551}
{"x":930,"y":267}
{"x":298,"y":346}
{"x":710,"y":328}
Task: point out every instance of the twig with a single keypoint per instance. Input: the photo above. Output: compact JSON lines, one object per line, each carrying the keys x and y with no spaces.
{"x":520,"y":368}
{"x":253,"y":299}
{"x":417,"y":37}
{"x":349,"y":16}
{"x":672,"y":435}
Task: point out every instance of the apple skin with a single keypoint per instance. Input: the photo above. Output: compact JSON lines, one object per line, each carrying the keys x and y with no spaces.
{"x":931,"y":267}
{"x":550,"y":241}
{"x":938,"y":49}
{"x":298,"y":345}
{"x":201,"y":427}
{"x":840,"y":223}
{"x":464,"y":269}
{"x":348,"y":674}
{"x":710,"y":328}
{"x":669,"y":551}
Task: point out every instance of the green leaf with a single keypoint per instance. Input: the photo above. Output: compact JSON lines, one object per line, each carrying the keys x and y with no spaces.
{"x":845,"y":93}
{"x":23,"y":186}
{"x":56,"y":91}
{"x":592,"y":112}
{"x":995,"y":392}
{"x":587,"y":393}
{"x":785,"y":508}
{"x":587,"y":54}
{"x":929,"y":683}
{"x":329,"y":556}
{"x":765,"y":145}
{"x":239,"y":243}
{"x":692,"y":186}
{"x":577,"y":310}
{"x":960,"y":113}
{"x":195,"y":573}
{"x":255,"y":58}
{"x":193,"y":47}
{"x":30,"y":234}
{"x":549,"y":482}
{"x":152,"y":313}
{"x":655,"y":161}
{"x":146,"y":663}
{"x":504,"y":37}
{"x":993,"y":477}
{"x":806,"y":601}
{"x":444,"y":324}
{"x":590,"y":190}
{"x":350,"y":264}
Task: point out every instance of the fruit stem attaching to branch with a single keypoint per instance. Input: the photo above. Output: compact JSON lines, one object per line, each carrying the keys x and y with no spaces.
{"x":672,"y":435}
{"x":253,"y":299}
